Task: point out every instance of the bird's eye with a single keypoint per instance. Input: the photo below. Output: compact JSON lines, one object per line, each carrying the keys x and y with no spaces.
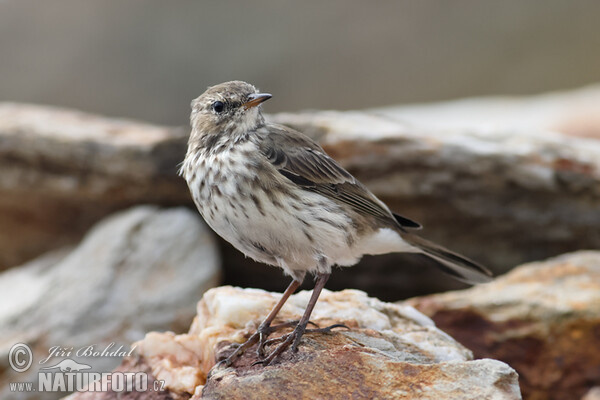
{"x":218,"y":106}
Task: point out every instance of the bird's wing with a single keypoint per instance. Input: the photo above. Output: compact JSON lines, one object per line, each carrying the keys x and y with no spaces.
{"x":304,"y":162}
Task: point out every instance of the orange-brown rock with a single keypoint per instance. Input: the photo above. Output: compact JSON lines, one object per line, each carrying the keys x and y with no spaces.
{"x":543,"y":319}
{"x":390,"y":352}
{"x":139,"y":270}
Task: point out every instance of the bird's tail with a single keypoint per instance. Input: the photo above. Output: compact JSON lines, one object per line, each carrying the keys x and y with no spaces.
{"x":454,"y":264}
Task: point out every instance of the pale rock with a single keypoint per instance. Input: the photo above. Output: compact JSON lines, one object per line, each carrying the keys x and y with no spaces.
{"x":390,"y":351}
{"x":503,"y":180}
{"x":541,"y":318}
{"x":64,"y":170}
{"x":137,"y":271}
{"x":593,"y":394}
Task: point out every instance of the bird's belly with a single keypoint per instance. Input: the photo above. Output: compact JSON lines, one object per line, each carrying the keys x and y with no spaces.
{"x":301,"y":232}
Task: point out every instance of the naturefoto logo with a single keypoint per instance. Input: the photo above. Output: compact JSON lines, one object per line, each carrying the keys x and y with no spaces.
{"x":68,"y":365}
{"x":68,"y":375}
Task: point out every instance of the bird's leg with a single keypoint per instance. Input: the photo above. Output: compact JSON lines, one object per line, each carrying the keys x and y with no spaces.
{"x":301,"y":327}
{"x":294,"y":337}
{"x":265,"y":328}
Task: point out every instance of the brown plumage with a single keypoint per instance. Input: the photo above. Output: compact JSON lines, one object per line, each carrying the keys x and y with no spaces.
{"x":279,"y":198}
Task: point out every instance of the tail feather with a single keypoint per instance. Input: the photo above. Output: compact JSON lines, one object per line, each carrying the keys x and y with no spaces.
{"x":452,"y":263}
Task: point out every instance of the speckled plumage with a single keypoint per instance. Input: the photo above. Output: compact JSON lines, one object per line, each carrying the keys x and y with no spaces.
{"x":276,"y":196}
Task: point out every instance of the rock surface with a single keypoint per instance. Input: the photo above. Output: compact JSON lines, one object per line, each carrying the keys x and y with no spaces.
{"x":593,"y":394}
{"x":390,"y":351}
{"x":543,"y":319}
{"x":64,"y":170}
{"x":502,"y":180}
{"x":140,"y":270}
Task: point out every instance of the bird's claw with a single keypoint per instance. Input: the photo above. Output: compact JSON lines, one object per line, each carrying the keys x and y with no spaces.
{"x":327,"y":329}
{"x":292,"y":338}
{"x":265,"y":331}
{"x":286,"y":341}
{"x":240,"y":349}
{"x":261,"y":336}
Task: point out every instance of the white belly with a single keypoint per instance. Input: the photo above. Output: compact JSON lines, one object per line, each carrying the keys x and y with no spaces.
{"x":303,"y":233}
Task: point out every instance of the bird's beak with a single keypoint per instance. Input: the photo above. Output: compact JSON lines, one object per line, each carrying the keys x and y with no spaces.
{"x":256,"y":99}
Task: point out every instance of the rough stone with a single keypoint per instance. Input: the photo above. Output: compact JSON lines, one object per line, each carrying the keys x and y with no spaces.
{"x":391,"y":351}
{"x":64,"y":170}
{"x":153,"y":392}
{"x":543,"y":319}
{"x":502,"y":180}
{"x":593,"y":394}
{"x":140,"y":270}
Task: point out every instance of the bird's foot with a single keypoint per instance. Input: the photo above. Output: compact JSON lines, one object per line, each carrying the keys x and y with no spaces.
{"x":261,"y":336}
{"x":293,"y":338}
{"x":240,"y":349}
{"x":265,"y":332}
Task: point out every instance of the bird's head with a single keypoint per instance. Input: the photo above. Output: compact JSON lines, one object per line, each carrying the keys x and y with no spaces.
{"x":230,"y":108}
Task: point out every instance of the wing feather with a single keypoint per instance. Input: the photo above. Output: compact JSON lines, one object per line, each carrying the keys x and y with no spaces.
{"x":305,"y":163}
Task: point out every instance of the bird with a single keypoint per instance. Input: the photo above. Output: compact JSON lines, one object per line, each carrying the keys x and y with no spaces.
{"x":279,"y":198}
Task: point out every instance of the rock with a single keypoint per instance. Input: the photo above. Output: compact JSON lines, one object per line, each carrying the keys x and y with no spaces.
{"x":153,"y":392}
{"x":140,"y":270}
{"x":503,"y":180}
{"x":391,"y":351}
{"x":64,"y":170}
{"x":593,"y":394}
{"x":543,"y":319}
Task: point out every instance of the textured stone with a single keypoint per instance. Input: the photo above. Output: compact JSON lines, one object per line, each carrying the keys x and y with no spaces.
{"x":140,"y":270}
{"x":593,"y":394}
{"x":391,"y":351}
{"x":64,"y":170}
{"x":129,"y":365}
{"x":502,"y":180}
{"x":543,"y":319}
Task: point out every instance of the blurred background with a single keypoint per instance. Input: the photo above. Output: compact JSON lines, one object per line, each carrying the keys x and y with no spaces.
{"x":99,"y":239}
{"x":147,"y":60}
